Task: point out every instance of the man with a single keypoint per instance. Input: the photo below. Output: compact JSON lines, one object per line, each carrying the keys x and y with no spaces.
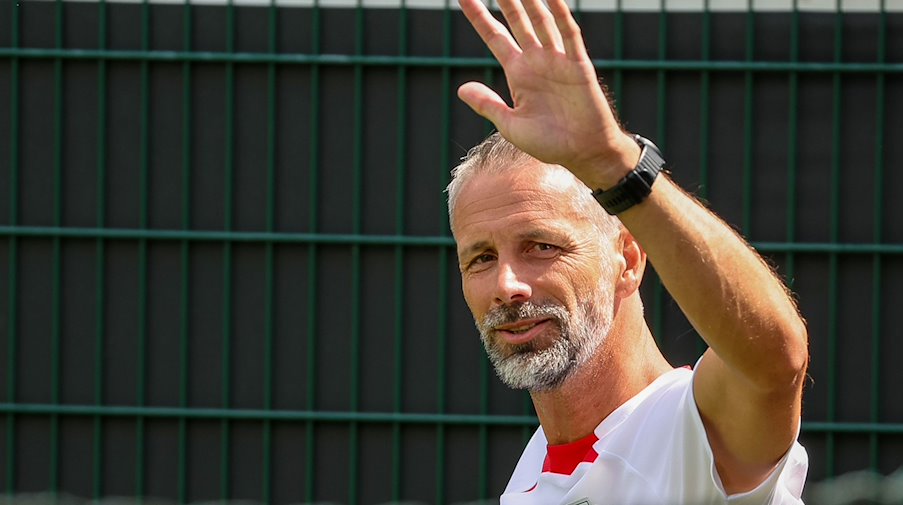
{"x":552,"y":280}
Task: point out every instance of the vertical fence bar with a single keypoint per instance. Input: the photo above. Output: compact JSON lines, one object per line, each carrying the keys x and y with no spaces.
{"x":704,"y":92}
{"x":12,"y":323}
{"x":661,"y":118}
{"x":185,"y":260}
{"x":399,"y":295}
{"x":748,"y":120}
{"x":792,"y":123}
{"x":878,"y":223}
{"x":618,"y":84}
{"x":269,"y":294}
{"x":661,"y":139}
{"x":100,"y":258}
{"x":56,"y":301}
{"x":704,"y":129}
{"x":442,"y":299}
{"x":228,"y":175}
{"x":312,"y":261}
{"x":143,"y":218}
{"x":833,"y":265}
{"x":357,"y":221}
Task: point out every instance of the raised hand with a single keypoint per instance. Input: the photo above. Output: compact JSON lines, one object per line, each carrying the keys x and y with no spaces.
{"x":560,"y":113}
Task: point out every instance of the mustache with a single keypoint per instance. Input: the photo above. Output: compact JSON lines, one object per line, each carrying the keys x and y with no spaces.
{"x":506,"y":314}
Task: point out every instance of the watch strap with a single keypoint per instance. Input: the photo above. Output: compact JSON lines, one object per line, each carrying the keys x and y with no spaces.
{"x":637,"y":185}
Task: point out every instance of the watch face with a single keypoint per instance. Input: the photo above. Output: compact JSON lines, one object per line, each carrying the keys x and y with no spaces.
{"x":644,"y":142}
{"x":651,"y":163}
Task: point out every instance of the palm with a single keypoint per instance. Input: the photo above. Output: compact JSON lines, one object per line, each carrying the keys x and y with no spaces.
{"x":559,"y":113}
{"x":555,"y":107}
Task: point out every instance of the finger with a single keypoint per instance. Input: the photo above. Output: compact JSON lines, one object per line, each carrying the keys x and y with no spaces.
{"x":491,"y":31}
{"x":485,"y":102}
{"x":519,"y":23}
{"x":543,"y":24}
{"x":569,"y":30}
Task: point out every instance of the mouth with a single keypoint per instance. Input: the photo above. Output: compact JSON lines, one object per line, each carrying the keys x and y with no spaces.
{"x":523,"y":331}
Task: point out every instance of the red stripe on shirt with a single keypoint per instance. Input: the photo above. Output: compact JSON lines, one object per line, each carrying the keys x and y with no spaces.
{"x":564,"y":458}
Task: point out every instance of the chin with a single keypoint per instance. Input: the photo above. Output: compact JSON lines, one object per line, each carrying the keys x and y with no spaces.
{"x":534,"y":372}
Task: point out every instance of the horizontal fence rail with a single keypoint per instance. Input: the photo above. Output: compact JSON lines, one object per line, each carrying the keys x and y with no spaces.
{"x":368,"y":240}
{"x":110,"y":411}
{"x":438,"y":61}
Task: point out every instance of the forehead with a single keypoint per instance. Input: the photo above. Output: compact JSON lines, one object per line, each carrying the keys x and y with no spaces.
{"x":519,"y":199}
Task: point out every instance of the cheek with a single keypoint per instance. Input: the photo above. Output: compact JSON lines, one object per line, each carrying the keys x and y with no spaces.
{"x":474,"y":296}
{"x":581,"y":275}
{"x":582,"y":283}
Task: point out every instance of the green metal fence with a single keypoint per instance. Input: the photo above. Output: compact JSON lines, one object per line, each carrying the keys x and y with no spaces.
{"x":228,"y":268}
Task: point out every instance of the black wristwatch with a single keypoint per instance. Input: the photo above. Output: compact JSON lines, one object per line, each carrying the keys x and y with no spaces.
{"x":636,"y":186}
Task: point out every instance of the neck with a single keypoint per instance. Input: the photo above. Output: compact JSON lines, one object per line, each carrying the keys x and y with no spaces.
{"x":624,"y":365}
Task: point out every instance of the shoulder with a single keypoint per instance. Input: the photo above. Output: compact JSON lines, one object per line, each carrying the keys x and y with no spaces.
{"x":665,"y":440}
{"x":656,"y":428}
{"x":652,"y":447}
{"x":657,"y":404}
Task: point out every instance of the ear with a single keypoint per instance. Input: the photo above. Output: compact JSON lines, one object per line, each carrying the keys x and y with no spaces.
{"x":633,"y":265}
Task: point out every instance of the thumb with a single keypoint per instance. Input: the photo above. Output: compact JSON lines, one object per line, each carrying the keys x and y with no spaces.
{"x":485,"y":102}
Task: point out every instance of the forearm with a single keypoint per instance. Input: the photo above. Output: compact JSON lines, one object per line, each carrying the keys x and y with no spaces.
{"x":732,"y":298}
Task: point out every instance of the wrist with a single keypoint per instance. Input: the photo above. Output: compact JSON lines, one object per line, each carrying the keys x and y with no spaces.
{"x":636,"y":185}
{"x":620,"y":159}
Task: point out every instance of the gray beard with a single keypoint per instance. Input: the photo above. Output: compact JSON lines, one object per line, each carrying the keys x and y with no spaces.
{"x":526,"y":367}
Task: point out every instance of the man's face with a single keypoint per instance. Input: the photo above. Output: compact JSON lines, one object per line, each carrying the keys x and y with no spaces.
{"x":537,"y":274}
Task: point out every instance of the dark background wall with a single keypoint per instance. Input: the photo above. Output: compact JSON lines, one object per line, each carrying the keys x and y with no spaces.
{"x":226,"y":272}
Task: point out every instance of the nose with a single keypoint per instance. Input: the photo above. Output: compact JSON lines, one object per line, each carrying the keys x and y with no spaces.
{"x":510,"y":287}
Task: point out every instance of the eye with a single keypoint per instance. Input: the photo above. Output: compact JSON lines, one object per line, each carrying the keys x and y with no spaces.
{"x":543,"y":250}
{"x":480,"y":262}
{"x":483,"y":258}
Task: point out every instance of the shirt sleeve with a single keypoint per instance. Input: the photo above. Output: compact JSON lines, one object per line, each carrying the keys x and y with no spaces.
{"x":783,"y":486}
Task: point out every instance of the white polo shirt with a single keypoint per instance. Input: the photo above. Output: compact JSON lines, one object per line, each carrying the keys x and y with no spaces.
{"x":652,"y":450}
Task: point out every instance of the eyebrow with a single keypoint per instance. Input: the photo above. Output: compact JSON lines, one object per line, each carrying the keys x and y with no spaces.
{"x":473,"y":249}
{"x":529,"y":235}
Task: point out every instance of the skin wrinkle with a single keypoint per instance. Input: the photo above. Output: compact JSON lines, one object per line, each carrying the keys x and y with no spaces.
{"x":573,"y":290}
{"x":538,"y":202}
{"x":496,"y":155}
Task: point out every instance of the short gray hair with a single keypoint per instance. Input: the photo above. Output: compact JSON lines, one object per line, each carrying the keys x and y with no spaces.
{"x":496,"y":154}
{"x":490,"y":156}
